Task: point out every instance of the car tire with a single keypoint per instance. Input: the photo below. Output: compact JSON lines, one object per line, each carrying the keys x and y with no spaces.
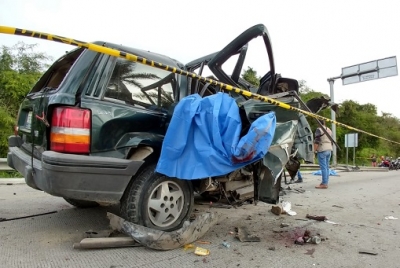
{"x":157,"y":201}
{"x":81,"y":203}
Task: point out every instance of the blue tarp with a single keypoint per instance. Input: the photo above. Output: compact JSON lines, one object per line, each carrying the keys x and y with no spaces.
{"x":202,"y":139}
{"x":331,"y":172}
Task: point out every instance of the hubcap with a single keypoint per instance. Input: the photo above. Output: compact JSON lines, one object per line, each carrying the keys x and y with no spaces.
{"x":165,"y":204}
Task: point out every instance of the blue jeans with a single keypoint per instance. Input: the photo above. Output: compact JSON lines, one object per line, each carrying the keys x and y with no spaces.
{"x":323,"y":161}
{"x":299,"y":175}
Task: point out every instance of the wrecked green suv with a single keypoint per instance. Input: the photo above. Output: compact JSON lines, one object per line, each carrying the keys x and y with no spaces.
{"x":92,"y":128}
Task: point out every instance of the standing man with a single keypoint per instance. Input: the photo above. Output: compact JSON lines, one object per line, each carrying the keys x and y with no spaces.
{"x":323,"y":149}
{"x":373,"y":160}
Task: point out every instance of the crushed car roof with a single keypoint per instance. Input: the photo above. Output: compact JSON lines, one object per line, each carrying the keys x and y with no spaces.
{"x":143,"y":53}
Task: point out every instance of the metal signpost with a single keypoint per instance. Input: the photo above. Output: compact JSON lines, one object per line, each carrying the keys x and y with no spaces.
{"x":359,"y":73}
{"x":351,"y":141}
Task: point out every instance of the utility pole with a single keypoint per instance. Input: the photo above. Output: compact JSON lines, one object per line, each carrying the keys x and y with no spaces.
{"x":333,"y":118}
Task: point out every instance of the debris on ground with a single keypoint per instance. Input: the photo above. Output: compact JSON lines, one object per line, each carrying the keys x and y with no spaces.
{"x":336,"y":206}
{"x":279,"y":231}
{"x":238,"y":252}
{"x":284,"y":225}
{"x":272,"y":248}
{"x":287,"y":207}
{"x":299,"y":241}
{"x":308,"y":238}
{"x":203,"y":242}
{"x":213,"y":204}
{"x":226,"y":244}
{"x":106,"y":242}
{"x":315,"y":240}
{"x":201,"y":251}
{"x":390,"y":218}
{"x":367,"y":252}
{"x":302,"y":191}
{"x":295,"y":190}
{"x":243,"y":235}
{"x":163,"y":240}
{"x":277,"y":210}
{"x":331,"y":222}
{"x":30,"y":216}
{"x":317,"y":218}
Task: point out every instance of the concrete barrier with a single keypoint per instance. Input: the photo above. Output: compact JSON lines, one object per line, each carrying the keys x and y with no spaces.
{"x":4,"y":166}
{"x":344,"y":167}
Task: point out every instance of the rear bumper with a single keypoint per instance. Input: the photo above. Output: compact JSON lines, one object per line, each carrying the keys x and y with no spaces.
{"x":93,"y":178}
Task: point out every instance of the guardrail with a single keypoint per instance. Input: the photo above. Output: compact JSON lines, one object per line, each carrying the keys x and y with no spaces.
{"x":344,"y":167}
{"x":4,"y":166}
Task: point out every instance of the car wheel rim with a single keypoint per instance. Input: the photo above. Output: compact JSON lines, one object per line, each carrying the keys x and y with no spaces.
{"x":165,"y":203}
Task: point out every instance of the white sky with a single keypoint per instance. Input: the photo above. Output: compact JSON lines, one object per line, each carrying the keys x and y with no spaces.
{"x":312,"y":40}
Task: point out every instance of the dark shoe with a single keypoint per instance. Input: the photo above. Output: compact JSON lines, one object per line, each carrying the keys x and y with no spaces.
{"x":299,"y":181}
{"x":321,"y":186}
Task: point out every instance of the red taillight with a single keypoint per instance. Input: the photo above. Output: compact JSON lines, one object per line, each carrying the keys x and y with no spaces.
{"x":70,"y":130}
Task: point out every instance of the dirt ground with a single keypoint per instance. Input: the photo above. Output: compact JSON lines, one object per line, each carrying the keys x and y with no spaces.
{"x":357,"y":201}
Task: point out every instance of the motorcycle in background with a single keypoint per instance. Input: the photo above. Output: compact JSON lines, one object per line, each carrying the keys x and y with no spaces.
{"x":392,"y":164}
{"x":395,"y":164}
{"x":385,"y":163}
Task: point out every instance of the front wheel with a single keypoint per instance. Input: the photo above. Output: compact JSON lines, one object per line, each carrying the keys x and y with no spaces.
{"x":157,"y":201}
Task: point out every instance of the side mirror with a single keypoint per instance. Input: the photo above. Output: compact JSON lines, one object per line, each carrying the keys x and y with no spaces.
{"x":286,"y":85}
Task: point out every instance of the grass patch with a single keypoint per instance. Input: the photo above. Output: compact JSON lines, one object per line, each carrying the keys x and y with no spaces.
{"x":10,"y":174}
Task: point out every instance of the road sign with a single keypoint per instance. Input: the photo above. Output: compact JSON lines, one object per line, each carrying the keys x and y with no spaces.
{"x":369,"y":70}
{"x":351,"y":140}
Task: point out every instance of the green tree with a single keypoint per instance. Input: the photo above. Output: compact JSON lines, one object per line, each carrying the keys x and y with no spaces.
{"x":250,"y":75}
{"x":20,"y":68}
{"x":306,"y":94}
{"x":361,"y":116}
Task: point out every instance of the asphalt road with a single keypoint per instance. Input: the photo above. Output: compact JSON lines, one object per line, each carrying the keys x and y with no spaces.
{"x":358,"y":202}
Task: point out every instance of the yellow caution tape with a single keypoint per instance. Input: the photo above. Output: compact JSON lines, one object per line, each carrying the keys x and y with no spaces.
{"x":159,"y":65}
